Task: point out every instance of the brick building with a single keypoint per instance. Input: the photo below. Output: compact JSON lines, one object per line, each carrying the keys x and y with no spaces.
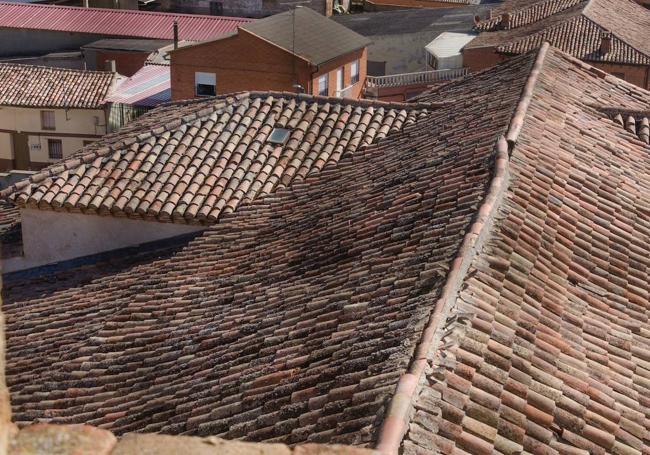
{"x":295,"y":48}
{"x":613,"y":35}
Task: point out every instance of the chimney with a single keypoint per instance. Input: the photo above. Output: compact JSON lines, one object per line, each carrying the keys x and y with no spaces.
{"x":175,"y":34}
{"x":505,"y":20}
{"x":477,"y":19}
{"x":86,"y":4}
{"x":605,"y":43}
{"x":110,"y":66}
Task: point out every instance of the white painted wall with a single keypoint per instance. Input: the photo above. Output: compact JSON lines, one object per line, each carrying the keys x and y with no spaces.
{"x":50,"y":237}
{"x":79,"y":122}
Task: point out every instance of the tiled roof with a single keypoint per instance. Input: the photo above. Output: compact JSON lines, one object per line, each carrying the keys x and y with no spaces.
{"x":115,"y":22}
{"x":308,"y":34}
{"x":478,"y":280}
{"x":528,"y":14}
{"x":191,"y":163}
{"x":10,"y":235}
{"x":634,"y":122}
{"x":574,"y":26}
{"x":547,"y":347}
{"x":41,"y":86}
{"x":289,"y":320}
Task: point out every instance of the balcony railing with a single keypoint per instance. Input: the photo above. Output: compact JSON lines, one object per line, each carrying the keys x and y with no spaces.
{"x":422,"y":77}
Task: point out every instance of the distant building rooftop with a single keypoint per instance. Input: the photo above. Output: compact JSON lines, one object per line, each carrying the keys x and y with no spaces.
{"x":43,"y":86}
{"x":148,"y":87}
{"x":99,"y":21}
{"x":308,"y":34}
{"x":127,"y":44}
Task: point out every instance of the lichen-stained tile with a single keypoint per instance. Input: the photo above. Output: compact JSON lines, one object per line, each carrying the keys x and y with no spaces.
{"x":291,"y":318}
{"x":213,"y":156}
{"x":559,"y":292}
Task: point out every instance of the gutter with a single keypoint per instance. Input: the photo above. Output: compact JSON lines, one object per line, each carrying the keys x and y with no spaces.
{"x":398,"y":415}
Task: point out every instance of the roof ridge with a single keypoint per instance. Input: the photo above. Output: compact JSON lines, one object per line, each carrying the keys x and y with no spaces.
{"x":395,"y":423}
{"x":56,"y":68}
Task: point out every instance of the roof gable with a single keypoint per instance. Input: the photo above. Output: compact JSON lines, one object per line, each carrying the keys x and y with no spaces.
{"x":308,"y":34}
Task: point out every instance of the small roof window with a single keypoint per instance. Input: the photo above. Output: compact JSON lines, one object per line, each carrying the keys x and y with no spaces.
{"x":279,"y":136}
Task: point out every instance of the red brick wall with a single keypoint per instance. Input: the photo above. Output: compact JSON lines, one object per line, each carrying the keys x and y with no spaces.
{"x":246,"y":62}
{"x":345,"y":62}
{"x":635,"y":74}
{"x":480,"y":58}
{"x":127,"y":63}
{"x":242,"y":62}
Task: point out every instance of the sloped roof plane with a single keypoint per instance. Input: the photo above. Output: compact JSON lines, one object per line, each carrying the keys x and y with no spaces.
{"x":193,"y":168}
{"x":306,"y":33}
{"x":477,"y":282}
{"x":574,"y":26}
{"x":41,"y":86}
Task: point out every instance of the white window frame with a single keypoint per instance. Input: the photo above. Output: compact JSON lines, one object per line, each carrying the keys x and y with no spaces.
{"x":207,"y":80}
{"x":354,"y":72}
{"x":340,"y":79}
{"x":323,"y":84}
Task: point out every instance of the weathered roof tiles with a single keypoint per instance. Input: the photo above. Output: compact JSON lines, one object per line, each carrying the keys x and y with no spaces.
{"x":40,"y":86}
{"x":192,"y":169}
{"x":576,"y":27}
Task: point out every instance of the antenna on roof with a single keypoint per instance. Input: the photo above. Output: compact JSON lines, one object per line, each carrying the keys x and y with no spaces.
{"x":293,"y":50}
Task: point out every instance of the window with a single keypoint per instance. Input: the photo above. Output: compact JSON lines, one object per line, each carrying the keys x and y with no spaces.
{"x":619,"y":75}
{"x":205,"y":84}
{"x":323,"y":85}
{"x":339,"y":79}
{"x":55,"y":149}
{"x":354,"y":70}
{"x":216,"y":8}
{"x":47,"y":120}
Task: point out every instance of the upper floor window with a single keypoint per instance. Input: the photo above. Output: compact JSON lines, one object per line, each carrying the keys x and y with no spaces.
{"x":354,"y":72}
{"x":339,"y":80}
{"x":323,"y":85}
{"x":47,"y":120}
{"x":205,"y":84}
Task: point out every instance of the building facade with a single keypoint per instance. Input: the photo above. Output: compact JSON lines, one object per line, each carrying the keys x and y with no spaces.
{"x":257,"y":58}
{"x":48,"y":113}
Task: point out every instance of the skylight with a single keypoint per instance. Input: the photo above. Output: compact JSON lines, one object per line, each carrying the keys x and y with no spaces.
{"x":279,"y":136}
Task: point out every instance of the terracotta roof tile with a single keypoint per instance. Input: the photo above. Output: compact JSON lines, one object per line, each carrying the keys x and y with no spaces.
{"x":290,"y":319}
{"x":561,"y":326}
{"x":192,"y":162}
{"x":40,"y":86}
{"x":573,"y":26}
{"x":500,"y":241}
